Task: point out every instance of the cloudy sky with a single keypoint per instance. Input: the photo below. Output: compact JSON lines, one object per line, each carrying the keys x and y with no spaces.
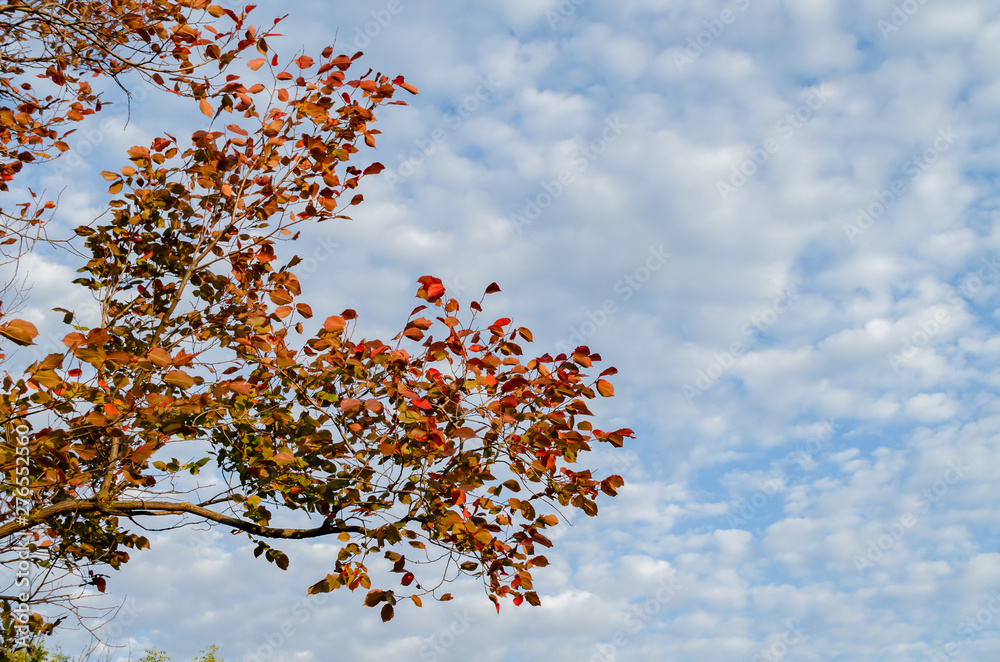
{"x":775,"y":218}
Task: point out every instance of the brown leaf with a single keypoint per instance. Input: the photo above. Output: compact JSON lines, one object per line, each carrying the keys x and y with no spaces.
{"x":179,"y":378}
{"x":159,"y":356}
{"x":281,"y":297}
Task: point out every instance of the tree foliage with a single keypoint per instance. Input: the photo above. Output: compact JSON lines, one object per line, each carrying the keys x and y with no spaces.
{"x":444,"y":450}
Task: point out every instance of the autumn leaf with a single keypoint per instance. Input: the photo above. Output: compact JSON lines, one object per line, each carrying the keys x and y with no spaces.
{"x":605,"y":388}
{"x":179,"y":378}
{"x":206,"y":107}
{"x":334,"y":323}
{"x":21,"y":332}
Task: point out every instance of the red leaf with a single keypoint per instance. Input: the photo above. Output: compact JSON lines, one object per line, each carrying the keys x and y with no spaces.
{"x":303,"y":62}
{"x":432,"y":288}
{"x":492,"y":288}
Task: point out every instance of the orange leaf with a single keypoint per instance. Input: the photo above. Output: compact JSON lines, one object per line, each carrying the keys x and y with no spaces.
{"x":19,"y":331}
{"x":206,"y":107}
{"x":605,"y":388}
{"x":257,"y":63}
{"x":334,"y":323}
{"x":348,"y":404}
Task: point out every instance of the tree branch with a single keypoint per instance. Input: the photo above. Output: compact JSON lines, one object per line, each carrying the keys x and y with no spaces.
{"x":154,"y":508}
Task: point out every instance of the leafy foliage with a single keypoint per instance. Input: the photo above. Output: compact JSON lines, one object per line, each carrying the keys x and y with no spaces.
{"x":444,"y":450}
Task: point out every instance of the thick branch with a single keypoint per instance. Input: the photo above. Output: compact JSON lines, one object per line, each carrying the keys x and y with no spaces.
{"x":151,"y":508}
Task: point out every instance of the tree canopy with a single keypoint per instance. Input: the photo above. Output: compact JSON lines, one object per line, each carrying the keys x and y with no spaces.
{"x":444,"y":450}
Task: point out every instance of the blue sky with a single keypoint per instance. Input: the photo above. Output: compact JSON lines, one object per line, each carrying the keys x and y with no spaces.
{"x":775,"y":218}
